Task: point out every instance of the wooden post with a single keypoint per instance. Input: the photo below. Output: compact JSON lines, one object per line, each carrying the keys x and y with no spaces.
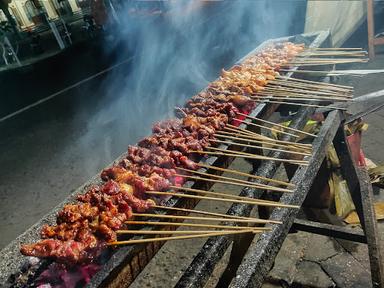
{"x":371,"y":29}
{"x":361,"y":191}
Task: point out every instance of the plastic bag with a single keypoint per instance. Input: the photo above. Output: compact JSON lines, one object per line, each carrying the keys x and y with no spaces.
{"x":343,"y":200}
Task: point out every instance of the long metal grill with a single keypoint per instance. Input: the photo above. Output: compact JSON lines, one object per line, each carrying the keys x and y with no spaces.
{"x":120,"y":267}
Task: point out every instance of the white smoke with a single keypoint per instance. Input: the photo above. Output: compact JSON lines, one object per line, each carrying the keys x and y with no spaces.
{"x":175,"y":54}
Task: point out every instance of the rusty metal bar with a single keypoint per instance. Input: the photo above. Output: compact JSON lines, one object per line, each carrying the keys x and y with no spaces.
{"x":329,"y":230}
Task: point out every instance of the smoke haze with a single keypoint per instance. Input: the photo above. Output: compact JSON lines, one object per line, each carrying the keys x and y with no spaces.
{"x":178,"y":47}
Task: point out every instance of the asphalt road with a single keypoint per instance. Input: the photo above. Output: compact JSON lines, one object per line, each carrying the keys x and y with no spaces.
{"x":53,"y":148}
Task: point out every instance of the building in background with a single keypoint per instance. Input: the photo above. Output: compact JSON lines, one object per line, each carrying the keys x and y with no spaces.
{"x":29,"y":14}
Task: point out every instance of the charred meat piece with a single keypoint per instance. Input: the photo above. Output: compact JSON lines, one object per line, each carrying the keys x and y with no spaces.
{"x":152,"y":182}
{"x":157,"y":156}
{"x":166,"y":126}
{"x":68,"y":252}
{"x":75,"y":212}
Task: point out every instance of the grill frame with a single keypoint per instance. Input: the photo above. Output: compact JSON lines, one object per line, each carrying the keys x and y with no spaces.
{"x":126,"y":262}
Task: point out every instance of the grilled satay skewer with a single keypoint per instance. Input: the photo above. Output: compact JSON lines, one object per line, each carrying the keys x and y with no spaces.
{"x":205,"y":235}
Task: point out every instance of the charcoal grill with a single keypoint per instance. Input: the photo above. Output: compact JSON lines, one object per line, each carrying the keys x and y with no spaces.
{"x":120,"y":267}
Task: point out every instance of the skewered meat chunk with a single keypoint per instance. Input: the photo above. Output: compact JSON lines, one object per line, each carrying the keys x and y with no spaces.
{"x":209,"y":107}
{"x":144,"y":170}
{"x":68,"y":252}
{"x":82,"y":226}
{"x":156,"y":156}
{"x":191,"y":135}
{"x":167,"y":125}
{"x":117,"y":197}
{"x":74,"y":212}
{"x":154,"y":182}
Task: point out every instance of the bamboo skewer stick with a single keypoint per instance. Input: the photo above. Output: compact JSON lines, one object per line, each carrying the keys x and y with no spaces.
{"x":344,"y":89}
{"x":281,"y":89}
{"x":333,"y":72}
{"x":316,"y":82}
{"x":166,"y":216}
{"x":319,"y":64}
{"x":182,"y":224}
{"x":240,"y":135}
{"x":266,"y":127}
{"x":249,"y":157}
{"x":326,"y":60}
{"x":340,"y":53}
{"x":149,"y":240}
{"x":246,"y":134}
{"x":261,"y":147}
{"x":289,"y":98}
{"x":358,"y":52}
{"x":247,"y":175}
{"x":313,"y":92}
{"x":249,"y":154}
{"x":228,"y":200}
{"x":321,"y":59}
{"x":260,"y":202}
{"x":316,"y":91}
{"x":315,"y":64}
{"x":274,"y":124}
{"x":198,"y":212}
{"x":260,"y":137}
{"x":229,"y":196}
{"x":311,"y":83}
{"x":299,"y":95}
{"x":269,"y":93}
{"x":309,"y":86}
{"x":232,"y":179}
{"x":172,"y":232}
{"x":334,"y":48}
{"x":238,"y":131}
{"x":235,"y":183}
{"x":244,"y":131}
{"x":227,"y":135}
{"x":339,"y":56}
{"x":300,"y":104}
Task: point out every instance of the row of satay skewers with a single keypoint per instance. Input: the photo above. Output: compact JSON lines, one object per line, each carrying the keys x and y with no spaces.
{"x":344,"y":56}
{"x":232,"y":136}
{"x":276,"y":91}
{"x":256,"y":80}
